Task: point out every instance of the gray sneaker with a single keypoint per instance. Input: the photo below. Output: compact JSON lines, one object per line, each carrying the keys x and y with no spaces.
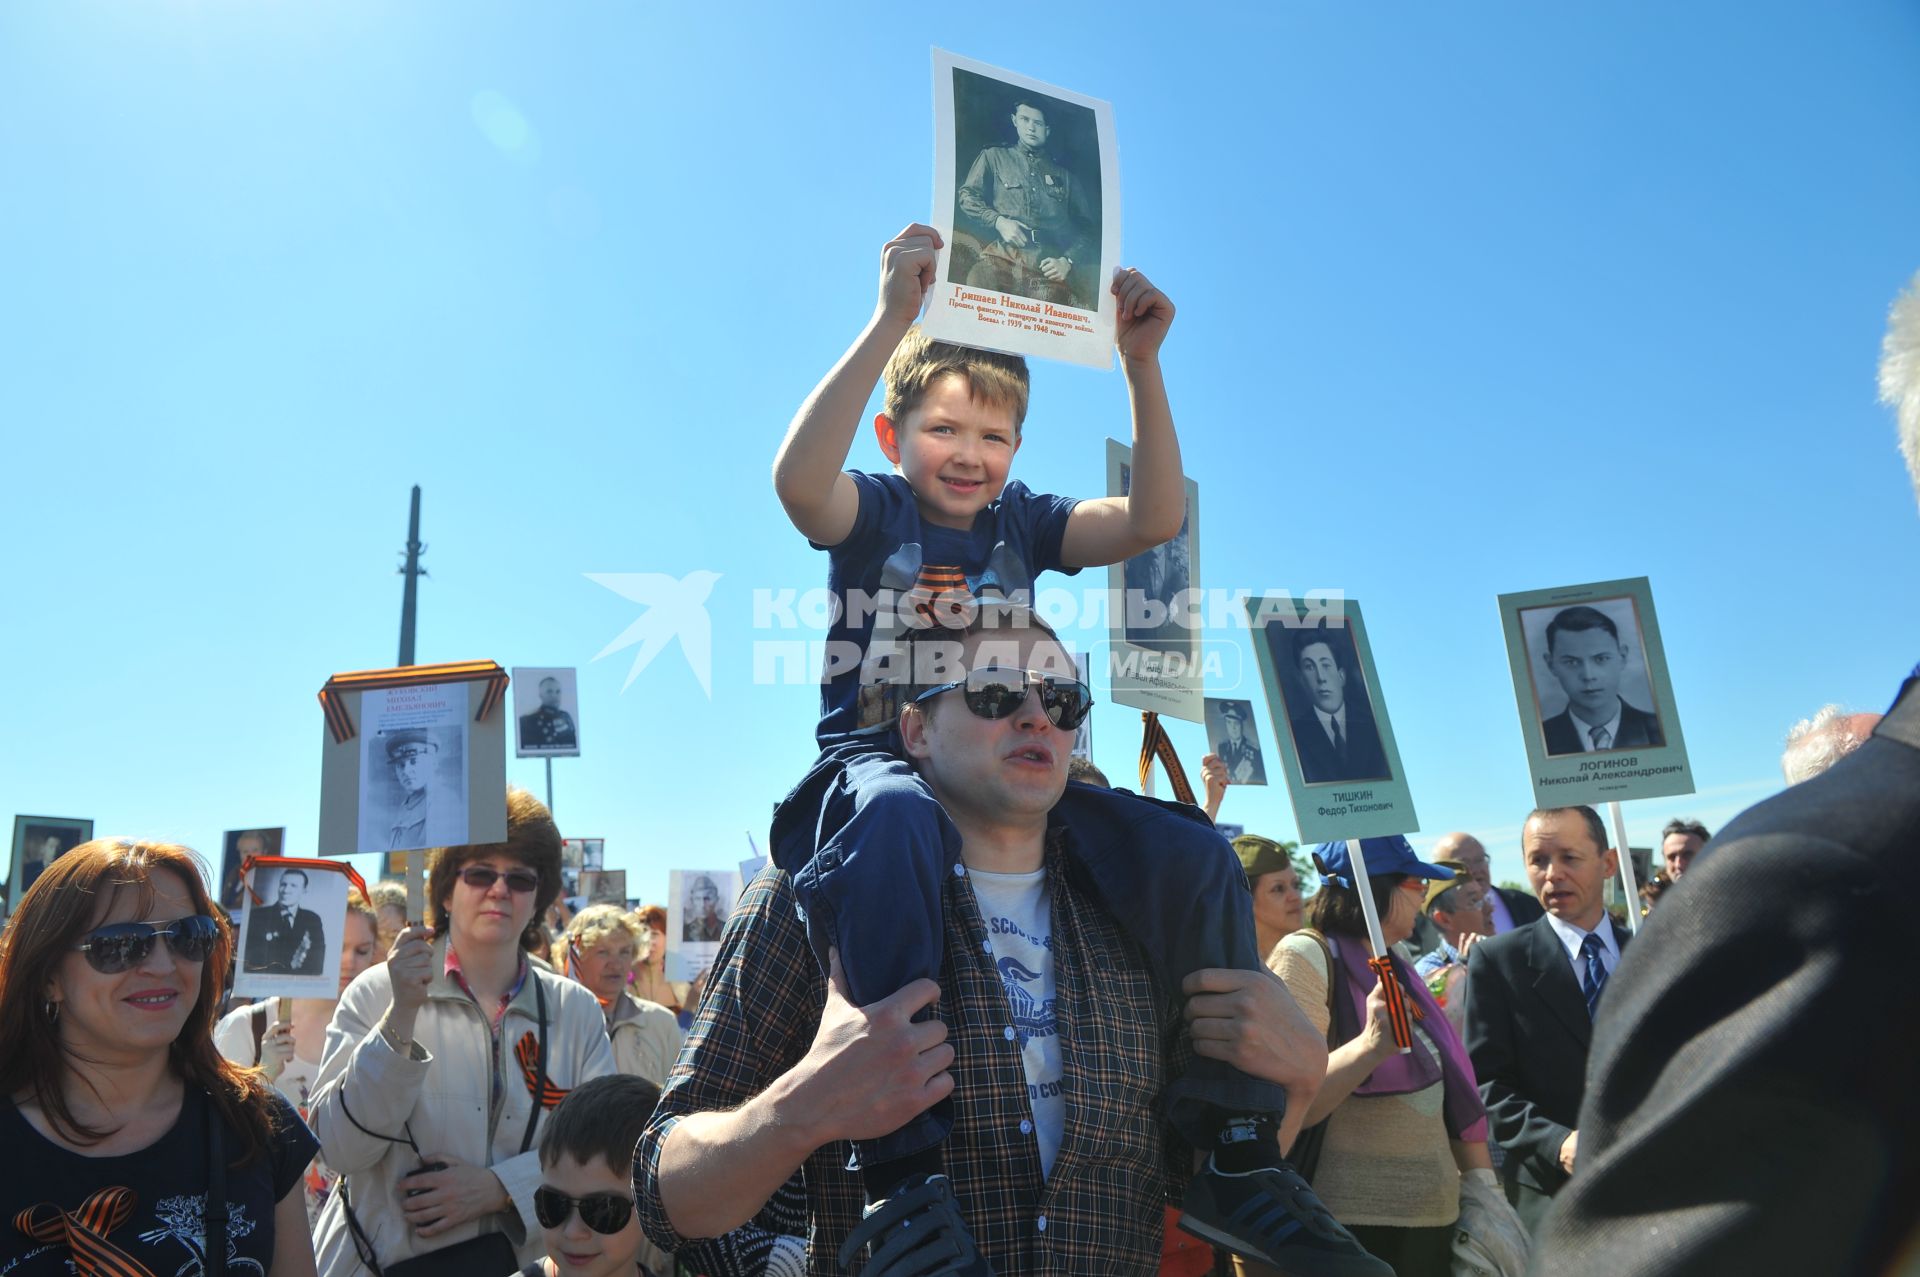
{"x":916,"y":1232}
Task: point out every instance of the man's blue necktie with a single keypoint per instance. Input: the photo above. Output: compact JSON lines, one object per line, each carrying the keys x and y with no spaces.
{"x":1596,"y":972}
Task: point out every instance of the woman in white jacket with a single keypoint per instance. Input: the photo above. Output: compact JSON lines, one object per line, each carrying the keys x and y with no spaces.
{"x":442,"y":1058}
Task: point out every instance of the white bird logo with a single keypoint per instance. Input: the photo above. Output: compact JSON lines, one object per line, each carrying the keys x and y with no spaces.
{"x":674,"y":609}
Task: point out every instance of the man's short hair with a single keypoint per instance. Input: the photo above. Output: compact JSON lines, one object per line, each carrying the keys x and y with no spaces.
{"x":601,"y":1118}
{"x":532,"y":839}
{"x":288,"y":873}
{"x":1031,"y":105}
{"x":918,"y":362}
{"x":1680,"y":825}
{"x":1083,"y":770}
{"x":1817,"y":743}
{"x":1595,"y":829}
{"x":1580,"y":617}
{"x":1900,"y":373}
{"x":549,"y":679}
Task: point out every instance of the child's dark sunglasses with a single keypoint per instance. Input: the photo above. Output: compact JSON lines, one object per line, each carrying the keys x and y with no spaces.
{"x":602,"y":1212}
{"x":121,"y":946}
{"x":482,"y":878}
{"x":993,"y":692}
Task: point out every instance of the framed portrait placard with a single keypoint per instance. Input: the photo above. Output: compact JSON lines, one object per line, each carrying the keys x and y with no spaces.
{"x":1597,"y":712}
{"x":604,"y":887}
{"x":1235,"y":738}
{"x":698,"y":902}
{"x":1154,"y":612}
{"x":546,"y":713}
{"x":413,"y":758}
{"x":578,"y":856}
{"x":237,"y":846}
{"x":1329,"y":716}
{"x":1026,"y":194}
{"x":294,"y":914}
{"x":37,"y":842}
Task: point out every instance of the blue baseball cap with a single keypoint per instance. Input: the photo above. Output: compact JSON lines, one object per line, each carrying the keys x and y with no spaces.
{"x":1383,"y":855}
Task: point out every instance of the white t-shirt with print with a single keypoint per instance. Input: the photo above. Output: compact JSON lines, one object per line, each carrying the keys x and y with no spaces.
{"x":1017,"y":909}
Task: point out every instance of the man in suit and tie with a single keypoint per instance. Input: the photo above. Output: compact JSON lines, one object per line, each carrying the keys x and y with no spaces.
{"x":1531,"y":996}
{"x":1754,"y":1106}
{"x":1335,"y":732}
{"x":286,"y":939}
{"x":1585,"y":655}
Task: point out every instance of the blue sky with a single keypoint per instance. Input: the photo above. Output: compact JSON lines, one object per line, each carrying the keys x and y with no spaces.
{"x":1473,"y":298}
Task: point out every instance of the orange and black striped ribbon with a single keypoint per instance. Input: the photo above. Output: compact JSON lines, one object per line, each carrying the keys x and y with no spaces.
{"x":1397,"y":1007}
{"x":544,"y":1093}
{"x":1155,"y":743}
{"x":84,"y":1232}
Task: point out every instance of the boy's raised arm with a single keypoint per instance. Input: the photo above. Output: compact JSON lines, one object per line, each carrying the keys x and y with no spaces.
{"x":808,"y":470}
{"x":1108,"y":529}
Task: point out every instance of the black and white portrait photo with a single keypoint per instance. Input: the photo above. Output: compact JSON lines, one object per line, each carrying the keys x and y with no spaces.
{"x":1592,"y":693}
{"x":413,"y":771}
{"x":1158,"y":615}
{"x":604,"y":886}
{"x":1231,"y":736}
{"x":1329,"y":710}
{"x":546,"y":707}
{"x":290,"y":933}
{"x":701,"y":918}
{"x":37,"y":842}
{"x":235,"y":847}
{"x":1027,"y":211}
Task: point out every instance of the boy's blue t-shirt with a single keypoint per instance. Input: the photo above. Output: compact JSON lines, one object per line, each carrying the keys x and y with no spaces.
{"x":890,"y":552}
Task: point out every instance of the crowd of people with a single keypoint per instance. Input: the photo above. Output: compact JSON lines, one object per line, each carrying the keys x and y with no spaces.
{"x":985,"y":1013}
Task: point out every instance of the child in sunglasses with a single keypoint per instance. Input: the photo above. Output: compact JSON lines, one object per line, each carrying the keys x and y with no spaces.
{"x":585,"y":1199}
{"x":863,"y":837}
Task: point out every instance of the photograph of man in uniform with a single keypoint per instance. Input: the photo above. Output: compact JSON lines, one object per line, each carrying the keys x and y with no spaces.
{"x":1155,"y":580}
{"x":548,"y":727}
{"x":1586,"y":656}
{"x":1328,"y":710}
{"x":1230,"y":728}
{"x":416,"y":818}
{"x":703,"y":920}
{"x":1026,"y":197}
{"x":242,"y":843}
{"x":283,"y":938}
{"x":37,"y":842}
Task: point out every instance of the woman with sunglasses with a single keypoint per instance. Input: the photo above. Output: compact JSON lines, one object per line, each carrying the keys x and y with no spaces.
{"x":440,"y":1063}
{"x":124,"y":1129}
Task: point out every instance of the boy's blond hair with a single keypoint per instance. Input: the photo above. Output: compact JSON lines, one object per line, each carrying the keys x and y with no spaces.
{"x":918,"y":362}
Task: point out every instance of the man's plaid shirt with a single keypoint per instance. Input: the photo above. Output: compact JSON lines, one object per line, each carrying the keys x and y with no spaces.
{"x":1101,"y":1209}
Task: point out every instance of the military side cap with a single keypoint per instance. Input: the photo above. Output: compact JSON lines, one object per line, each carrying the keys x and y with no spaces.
{"x":1438,"y":886}
{"x":1261,"y":855}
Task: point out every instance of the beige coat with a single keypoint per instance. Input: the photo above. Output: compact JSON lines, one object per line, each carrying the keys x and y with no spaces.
{"x":441,"y":1091}
{"x":646,"y":1038}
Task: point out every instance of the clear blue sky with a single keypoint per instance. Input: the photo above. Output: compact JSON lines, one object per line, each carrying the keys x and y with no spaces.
{"x":1473,"y":298}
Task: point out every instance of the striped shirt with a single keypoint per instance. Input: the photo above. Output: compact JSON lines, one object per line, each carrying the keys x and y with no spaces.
{"x":1100,"y":1211}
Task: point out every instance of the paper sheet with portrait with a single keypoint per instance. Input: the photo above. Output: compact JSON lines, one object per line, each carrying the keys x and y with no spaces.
{"x":1026,"y":194}
{"x":698,"y":903}
{"x":290,"y":930}
{"x":1157,"y":660}
{"x":1597,"y":713}
{"x":413,"y":770}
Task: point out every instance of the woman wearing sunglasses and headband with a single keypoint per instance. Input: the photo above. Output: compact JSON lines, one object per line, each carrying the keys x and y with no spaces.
{"x":439,"y":1065}
{"x":124,"y":1129}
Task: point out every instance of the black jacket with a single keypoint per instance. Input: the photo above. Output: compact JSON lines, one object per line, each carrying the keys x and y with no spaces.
{"x":1365,"y":759}
{"x":1754,"y":1100}
{"x":1638,"y":730}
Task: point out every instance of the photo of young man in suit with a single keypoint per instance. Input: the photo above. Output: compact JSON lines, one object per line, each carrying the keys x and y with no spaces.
{"x":1329,"y":712}
{"x":1586,"y":656}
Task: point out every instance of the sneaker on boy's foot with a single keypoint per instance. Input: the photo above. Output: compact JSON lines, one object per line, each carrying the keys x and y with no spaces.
{"x":916,"y":1232}
{"x":1270,"y":1215}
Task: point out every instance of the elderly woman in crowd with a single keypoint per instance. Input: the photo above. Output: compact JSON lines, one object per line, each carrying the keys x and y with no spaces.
{"x":1400,"y":1130}
{"x":288,"y":1051}
{"x":440,"y":1062}
{"x":125,"y":1131}
{"x":600,"y":952}
{"x":1278,"y":910}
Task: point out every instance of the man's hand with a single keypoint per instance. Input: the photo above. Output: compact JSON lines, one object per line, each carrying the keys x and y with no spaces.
{"x":1056,"y":268}
{"x":448,"y":1197}
{"x":907,"y":263}
{"x":1011,"y":231}
{"x":872,"y":1069}
{"x":1214,"y":773}
{"x":1249,"y":1020}
{"x":1467,"y":941}
{"x":1568,"y":1148}
{"x":1143,"y":317}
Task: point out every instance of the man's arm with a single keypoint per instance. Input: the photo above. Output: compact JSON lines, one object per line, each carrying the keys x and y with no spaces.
{"x":1109,"y":529}
{"x":975,"y":202}
{"x":807,"y":471}
{"x":1249,"y":1020}
{"x":1515,"y":1121}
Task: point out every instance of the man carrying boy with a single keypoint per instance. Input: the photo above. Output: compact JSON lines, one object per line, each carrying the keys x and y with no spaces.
{"x":869,"y":849}
{"x":784,"y":1066}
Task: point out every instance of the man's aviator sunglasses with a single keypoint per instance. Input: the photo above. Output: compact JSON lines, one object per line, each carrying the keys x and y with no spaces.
{"x":993,"y":692}
{"x":602,"y":1212}
{"x":121,"y":946}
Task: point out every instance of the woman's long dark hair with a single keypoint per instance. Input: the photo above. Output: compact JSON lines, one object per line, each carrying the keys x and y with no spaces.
{"x":1334,"y":910}
{"x":64,"y":903}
